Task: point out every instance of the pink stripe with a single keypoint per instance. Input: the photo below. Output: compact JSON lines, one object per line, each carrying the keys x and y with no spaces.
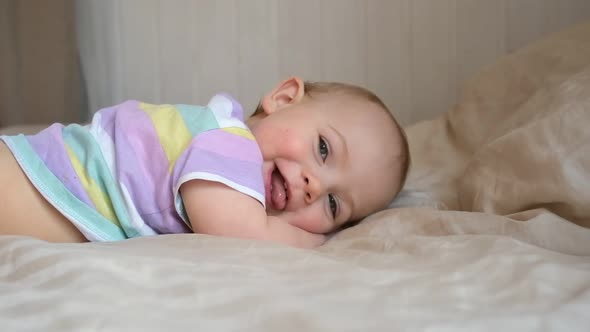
{"x":228,"y":145}
{"x":245,"y":171}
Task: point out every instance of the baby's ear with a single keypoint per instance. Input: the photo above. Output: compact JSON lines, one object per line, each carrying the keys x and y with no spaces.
{"x":288,"y":92}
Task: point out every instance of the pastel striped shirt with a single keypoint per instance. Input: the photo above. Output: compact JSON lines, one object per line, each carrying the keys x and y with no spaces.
{"x":119,"y":176}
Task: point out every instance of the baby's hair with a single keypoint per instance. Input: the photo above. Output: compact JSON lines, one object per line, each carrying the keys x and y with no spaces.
{"x":312,"y":89}
{"x":317,"y":88}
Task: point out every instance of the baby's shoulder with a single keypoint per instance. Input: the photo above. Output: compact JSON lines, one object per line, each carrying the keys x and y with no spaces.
{"x":228,"y":112}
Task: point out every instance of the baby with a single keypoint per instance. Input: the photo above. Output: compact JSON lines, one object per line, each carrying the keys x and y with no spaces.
{"x":312,"y":159}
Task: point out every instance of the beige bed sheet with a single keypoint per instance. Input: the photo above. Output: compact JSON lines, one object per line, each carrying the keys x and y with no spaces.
{"x":487,"y":236}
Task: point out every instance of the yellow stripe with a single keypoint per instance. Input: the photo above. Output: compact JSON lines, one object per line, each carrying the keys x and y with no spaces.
{"x":101,"y":201}
{"x":240,"y":132}
{"x":172,"y":132}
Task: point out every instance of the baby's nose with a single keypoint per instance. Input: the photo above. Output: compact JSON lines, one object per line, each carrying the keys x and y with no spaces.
{"x":312,"y":188}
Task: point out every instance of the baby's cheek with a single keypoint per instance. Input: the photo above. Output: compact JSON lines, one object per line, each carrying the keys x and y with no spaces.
{"x":293,"y":146}
{"x":311,"y":220}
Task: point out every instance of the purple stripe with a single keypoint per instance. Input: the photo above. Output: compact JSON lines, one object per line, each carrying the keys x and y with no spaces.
{"x":245,"y":173}
{"x":228,"y":145}
{"x":155,"y":220}
{"x":142,"y":166}
{"x":50,"y":147}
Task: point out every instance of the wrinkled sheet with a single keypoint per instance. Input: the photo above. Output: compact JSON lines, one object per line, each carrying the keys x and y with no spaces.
{"x":489,"y":234}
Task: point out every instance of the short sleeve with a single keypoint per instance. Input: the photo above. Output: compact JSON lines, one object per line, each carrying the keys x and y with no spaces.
{"x":220,"y":156}
{"x":228,"y":155}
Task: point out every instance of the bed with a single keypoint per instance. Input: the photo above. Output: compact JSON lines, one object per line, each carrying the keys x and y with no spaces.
{"x":490,"y":233}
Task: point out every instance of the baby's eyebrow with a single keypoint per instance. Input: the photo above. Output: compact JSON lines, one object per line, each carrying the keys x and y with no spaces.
{"x":343,"y":145}
{"x":343,"y":157}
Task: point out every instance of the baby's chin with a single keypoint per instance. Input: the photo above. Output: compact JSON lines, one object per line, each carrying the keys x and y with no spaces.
{"x":272,"y":212}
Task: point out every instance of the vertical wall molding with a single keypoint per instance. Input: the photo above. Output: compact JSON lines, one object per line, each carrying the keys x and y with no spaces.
{"x":415,"y":54}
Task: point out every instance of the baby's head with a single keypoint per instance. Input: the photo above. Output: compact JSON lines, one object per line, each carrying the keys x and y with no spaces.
{"x":333,"y":153}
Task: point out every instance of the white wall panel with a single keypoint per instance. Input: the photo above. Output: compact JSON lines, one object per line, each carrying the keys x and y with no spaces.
{"x":389,"y":53}
{"x":300,"y":41}
{"x":434,"y":57}
{"x":140,"y":56}
{"x":214,"y":65}
{"x":531,"y":19}
{"x":344,"y":40}
{"x":175,"y":23}
{"x":481,"y":33}
{"x":258,"y":49}
{"x":415,"y":54}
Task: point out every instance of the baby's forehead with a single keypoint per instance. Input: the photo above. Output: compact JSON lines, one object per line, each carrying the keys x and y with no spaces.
{"x":374,"y":170}
{"x":366,"y":118}
{"x":374,"y":189}
{"x":360,"y":107}
{"x":362,"y":122}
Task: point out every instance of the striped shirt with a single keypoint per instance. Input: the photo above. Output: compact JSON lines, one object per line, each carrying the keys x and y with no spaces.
{"x":119,"y":176}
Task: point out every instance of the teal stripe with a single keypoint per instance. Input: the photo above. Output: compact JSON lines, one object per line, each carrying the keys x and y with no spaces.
{"x":88,"y":152}
{"x":198,"y":119}
{"x":57,"y":194}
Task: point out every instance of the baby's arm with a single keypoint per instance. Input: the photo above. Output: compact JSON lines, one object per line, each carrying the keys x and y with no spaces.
{"x":215,"y":209}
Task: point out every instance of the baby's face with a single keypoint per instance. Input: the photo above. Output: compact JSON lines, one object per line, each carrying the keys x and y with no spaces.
{"x":327,"y":161}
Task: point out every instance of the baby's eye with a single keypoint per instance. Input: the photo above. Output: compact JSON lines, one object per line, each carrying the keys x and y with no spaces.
{"x":333,"y":205}
{"x":323,"y":148}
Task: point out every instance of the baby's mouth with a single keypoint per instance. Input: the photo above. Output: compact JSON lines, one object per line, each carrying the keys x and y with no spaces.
{"x":278,"y":190}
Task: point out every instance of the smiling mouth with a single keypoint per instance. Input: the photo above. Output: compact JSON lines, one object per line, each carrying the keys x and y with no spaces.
{"x":278,"y":190}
